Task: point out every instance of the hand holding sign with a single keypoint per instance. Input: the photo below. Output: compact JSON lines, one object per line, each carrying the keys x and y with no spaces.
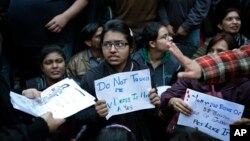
{"x":210,"y":114}
{"x":101,"y":108}
{"x":180,"y":106}
{"x":125,"y":92}
{"x":154,"y":98}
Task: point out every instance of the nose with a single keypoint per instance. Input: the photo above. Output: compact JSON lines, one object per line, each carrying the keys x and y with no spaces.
{"x":169,"y":38}
{"x":112,"y":48}
{"x":54,"y":64}
{"x":235,"y":20}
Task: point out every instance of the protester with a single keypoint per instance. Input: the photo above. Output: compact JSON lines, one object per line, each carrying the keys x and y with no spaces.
{"x":235,"y":90}
{"x":117,"y":44}
{"x":11,"y":129}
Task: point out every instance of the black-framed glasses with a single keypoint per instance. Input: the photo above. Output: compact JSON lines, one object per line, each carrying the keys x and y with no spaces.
{"x":117,"y":44}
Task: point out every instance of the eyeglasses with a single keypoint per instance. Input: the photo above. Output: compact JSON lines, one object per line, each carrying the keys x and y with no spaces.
{"x":117,"y":44}
{"x":166,"y":37}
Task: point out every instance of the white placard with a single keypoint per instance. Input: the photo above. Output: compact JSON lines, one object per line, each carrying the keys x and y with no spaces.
{"x":125,"y":92}
{"x":161,"y":89}
{"x":63,"y":99}
{"x":210,"y":115}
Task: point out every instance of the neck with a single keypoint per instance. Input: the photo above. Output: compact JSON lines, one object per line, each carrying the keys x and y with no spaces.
{"x":97,"y":53}
{"x":155,"y":57}
{"x":122,"y":67}
{"x":50,"y":82}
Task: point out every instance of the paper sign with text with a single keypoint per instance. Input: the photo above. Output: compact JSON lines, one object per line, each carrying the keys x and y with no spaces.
{"x":211,"y":115}
{"x":125,"y":92}
{"x":63,"y":99}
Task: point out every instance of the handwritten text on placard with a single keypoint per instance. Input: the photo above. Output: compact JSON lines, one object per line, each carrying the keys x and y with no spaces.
{"x":211,"y":115}
{"x":125,"y":92}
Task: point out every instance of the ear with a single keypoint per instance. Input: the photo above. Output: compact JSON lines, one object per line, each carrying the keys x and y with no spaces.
{"x":88,"y":43}
{"x":151,"y":43}
{"x":131,"y":49}
{"x":219,"y":26}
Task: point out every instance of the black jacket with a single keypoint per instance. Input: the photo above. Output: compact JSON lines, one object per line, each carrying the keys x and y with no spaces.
{"x":137,"y":121}
{"x":10,"y":127}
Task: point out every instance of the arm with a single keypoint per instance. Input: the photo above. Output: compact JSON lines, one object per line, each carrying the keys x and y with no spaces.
{"x":162,"y":12}
{"x":173,"y":95}
{"x":38,"y":130}
{"x":235,"y":64}
{"x":214,"y":68}
{"x":196,"y":14}
{"x":59,"y":21}
{"x":163,"y":17}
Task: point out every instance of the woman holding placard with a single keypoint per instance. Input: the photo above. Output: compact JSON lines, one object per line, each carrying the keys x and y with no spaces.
{"x":236,"y":90}
{"x":117,"y":44}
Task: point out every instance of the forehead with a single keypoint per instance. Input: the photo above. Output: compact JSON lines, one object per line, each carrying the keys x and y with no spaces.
{"x":232,"y":14}
{"x":162,"y":30}
{"x":220,"y":45}
{"x":53,"y":55}
{"x":114,"y":35}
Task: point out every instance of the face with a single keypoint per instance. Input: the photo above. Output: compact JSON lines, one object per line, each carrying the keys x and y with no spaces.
{"x":231,"y":23}
{"x":162,"y":38}
{"x":53,"y":66}
{"x":95,"y":41}
{"x":116,"y":56}
{"x":220,"y":46}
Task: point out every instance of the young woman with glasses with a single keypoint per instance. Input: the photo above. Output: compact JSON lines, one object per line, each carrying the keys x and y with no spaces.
{"x":117,"y":44}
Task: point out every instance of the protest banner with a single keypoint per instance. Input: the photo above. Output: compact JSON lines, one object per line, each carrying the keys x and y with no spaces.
{"x":125,"y":92}
{"x":210,"y":115}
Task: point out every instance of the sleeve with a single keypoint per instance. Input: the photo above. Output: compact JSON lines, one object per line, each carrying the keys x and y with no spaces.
{"x":226,"y":65}
{"x":88,"y":115}
{"x":21,"y":132}
{"x":242,"y":93}
{"x":71,"y":68}
{"x":162,"y":13}
{"x":202,"y":50}
{"x":178,"y":89}
{"x":196,"y":14}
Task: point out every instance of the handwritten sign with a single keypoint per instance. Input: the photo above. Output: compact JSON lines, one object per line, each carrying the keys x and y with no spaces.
{"x":125,"y":92}
{"x":211,"y":115}
{"x":63,"y":99}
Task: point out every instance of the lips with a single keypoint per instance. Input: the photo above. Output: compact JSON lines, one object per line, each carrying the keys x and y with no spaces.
{"x":55,"y":72}
{"x":234,"y":27}
{"x":113,"y":57}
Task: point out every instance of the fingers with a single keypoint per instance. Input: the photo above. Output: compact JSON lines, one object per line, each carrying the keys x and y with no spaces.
{"x":183,"y":108}
{"x":176,"y":52}
{"x":154,"y":98}
{"x":52,"y":123}
{"x":101,"y":108}
{"x":180,"y":106}
{"x":242,"y":121}
{"x":31,"y":93}
{"x":53,"y":26}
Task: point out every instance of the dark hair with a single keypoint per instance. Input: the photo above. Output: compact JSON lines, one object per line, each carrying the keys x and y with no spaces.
{"x":229,"y":39}
{"x":223,"y":14}
{"x":119,"y":26}
{"x":49,"y":49}
{"x":192,"y":136}
{"x":150,"y":32}
{"x":89,"y":30}
{"x":115,"y":132}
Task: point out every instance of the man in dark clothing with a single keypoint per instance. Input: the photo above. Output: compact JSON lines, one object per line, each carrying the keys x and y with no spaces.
{"x":183,"y":19}
{"x":13,"y":130}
